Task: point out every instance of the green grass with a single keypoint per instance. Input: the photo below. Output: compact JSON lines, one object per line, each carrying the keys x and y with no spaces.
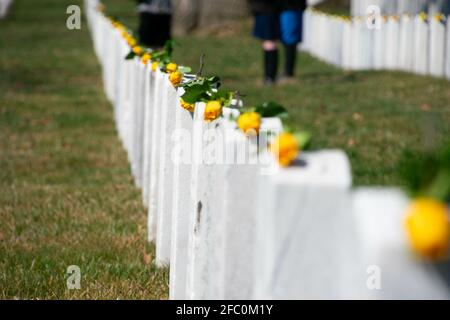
{"x":340,"y":7}
{"x":66,"y":193}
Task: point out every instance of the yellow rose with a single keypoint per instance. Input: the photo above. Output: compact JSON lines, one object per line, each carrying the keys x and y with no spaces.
{"x":423,"y":16}
{"x":285,"y":148}
{"x":213,"y":110}
{"x":188,"y":106}
{"x":176,"y":77}
{"x":137,"y":50}
{"x":154,"y":65}
{"x":249,"y":121}
{"x":146,"y":58}
{"x":428,"y":228}
{"x":171,"y":67}
{"x":131,"y":41}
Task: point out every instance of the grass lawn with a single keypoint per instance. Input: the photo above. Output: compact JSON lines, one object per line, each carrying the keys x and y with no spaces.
{"x":66,"y":193}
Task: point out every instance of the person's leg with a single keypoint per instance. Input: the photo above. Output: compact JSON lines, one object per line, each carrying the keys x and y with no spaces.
{"x":270,"y":61}
{"x":290,"y":53}
{"x":267,"y":29}
{"x":291,"y":35}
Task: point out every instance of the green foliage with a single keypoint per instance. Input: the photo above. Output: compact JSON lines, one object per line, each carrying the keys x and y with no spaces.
{"x":427,"y":173}
{"x":164,"y":56}
{"x":205,"y":89}
{"x":303,"y":138}
{"x":271,"y":109}
{"x":130,"y":55}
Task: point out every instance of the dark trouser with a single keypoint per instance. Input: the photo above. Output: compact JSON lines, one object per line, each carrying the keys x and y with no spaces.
{"x":270,"y":65}
{"x":154,"y":29}
{"x":271,"y":62}
{"x":285,"y":26}
{"x":290,"y":52}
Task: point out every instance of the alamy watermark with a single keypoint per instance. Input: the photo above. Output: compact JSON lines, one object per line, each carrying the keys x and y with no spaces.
{"x":373,"y":281}
{"x":373,"y":20}
{"x":73,"y":22}
{"x":223,"y":147}
{"x":74,"y":279}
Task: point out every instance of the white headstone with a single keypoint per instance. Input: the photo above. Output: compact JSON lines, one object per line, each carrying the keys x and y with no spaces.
{"x":447,"y":60}
{"x":437,"y":47}
{"x":392,"y":41}
{"x":421,"y":44}
{"x":165,"y":181}
{"x":147,"y":148}
{"x":305,"y":230}
{"x":406,"y":44}
{"x":379,"y":45}
{"x":183,"y":204}
{"x":347,"y":45}
{"x":160,"y":83}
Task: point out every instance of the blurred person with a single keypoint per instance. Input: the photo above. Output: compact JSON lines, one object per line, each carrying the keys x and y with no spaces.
{"x":278,"y":20}
{"x":155,"y":17}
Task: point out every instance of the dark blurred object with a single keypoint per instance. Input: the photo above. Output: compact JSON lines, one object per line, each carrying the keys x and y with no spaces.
{"x":155,"y":18}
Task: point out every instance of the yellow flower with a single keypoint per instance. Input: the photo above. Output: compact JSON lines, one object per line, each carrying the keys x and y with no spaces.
{"x":154,"y":65}
{"x":285,"y":148}
{"x":176,"y":77}
{"x":249,"y":121}
{"x":131,"y":41}
{"x":428,"y":228}
{"x":188,"y":106}
{"x":423,"y":16}
{"x":213,"y":110}
{"x":439,"y":17}
{"x":171,"y":67}
{"x":137,"y":50}
{"x":146,"y":58}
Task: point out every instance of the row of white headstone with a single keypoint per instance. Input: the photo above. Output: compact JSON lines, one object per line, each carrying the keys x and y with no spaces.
{"x":4,"y":7}
{"x":405,"y":43}
{"x":397,"y":7}
{"x":251,"y":230}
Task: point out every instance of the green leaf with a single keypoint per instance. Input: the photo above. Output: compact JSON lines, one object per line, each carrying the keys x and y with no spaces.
{"x":303,"y":139}
{"x":271,"y":109}
{"x":195,"y":93}
{"x":184,"y":69}
{"x":213,"y":80}
{"x":427,"y":174}
{"x":168,"y":47}
{"x":130,"y":55}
